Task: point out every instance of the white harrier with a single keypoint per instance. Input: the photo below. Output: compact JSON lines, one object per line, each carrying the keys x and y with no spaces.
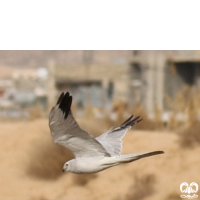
{"x":91,"y":154}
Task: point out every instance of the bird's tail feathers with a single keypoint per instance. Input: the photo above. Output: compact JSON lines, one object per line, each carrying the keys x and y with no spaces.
{"x":132,"y":157}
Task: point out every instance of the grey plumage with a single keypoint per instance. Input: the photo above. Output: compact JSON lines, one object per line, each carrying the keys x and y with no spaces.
{"x":91,"y":154}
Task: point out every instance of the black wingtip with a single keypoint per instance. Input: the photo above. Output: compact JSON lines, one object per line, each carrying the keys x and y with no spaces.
{"x":60,"y":98}
{"x":64,"y":103}
{"x":130,"y":118}
{"x":134,"y":121}
{"x":129,"y":122}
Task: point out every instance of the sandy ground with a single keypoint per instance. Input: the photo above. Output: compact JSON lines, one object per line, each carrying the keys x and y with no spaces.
{"x":177,"y":165}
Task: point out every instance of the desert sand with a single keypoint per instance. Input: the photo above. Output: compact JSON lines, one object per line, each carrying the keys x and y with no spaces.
{"x":29,"y":156}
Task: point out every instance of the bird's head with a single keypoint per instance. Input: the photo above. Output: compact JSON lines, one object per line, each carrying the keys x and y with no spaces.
{"x":66,"y":167}
{"x":69,"y":166}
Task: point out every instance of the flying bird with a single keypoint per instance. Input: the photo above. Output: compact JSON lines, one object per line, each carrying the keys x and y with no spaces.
{"x":91,"y":154}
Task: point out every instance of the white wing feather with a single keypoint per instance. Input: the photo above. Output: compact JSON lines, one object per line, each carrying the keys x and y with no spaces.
{"x":112,"y":139}
{"x":66,"y":131}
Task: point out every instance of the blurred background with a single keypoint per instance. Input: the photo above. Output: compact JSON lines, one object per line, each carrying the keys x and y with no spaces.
{"x":163,"y":87}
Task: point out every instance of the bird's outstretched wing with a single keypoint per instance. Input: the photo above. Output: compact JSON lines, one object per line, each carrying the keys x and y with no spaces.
{"x":112,"y":139}
{"x":66,"y":131}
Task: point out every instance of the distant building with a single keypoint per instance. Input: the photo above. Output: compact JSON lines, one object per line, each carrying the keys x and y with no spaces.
{"x":131,"y":76}
{"x":163,"y":73}
{"x":100,"y":77}
{"x":21,"y":88}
